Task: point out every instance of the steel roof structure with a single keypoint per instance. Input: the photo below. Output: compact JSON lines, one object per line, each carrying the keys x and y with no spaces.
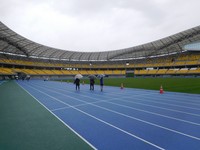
{"x":12,"y":43}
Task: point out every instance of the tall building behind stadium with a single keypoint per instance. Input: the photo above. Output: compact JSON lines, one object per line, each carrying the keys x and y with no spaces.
{"x":175,"y":55}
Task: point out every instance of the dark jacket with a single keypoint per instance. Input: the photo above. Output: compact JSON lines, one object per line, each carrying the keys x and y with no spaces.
{"x":92,"y":81}
{"x":77,"y":81}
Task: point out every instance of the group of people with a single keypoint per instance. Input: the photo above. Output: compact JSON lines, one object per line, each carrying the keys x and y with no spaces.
{"x":77,"y":83}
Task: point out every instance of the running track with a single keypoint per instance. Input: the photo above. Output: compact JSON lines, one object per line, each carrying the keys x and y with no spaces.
{"x":123,"y":119}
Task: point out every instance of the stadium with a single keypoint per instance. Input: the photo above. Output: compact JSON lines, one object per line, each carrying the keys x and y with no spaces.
{"x":53,"y":115}
{"x":176,"y":55}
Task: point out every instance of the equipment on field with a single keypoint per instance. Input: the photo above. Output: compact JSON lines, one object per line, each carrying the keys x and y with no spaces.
{"x":161,"y":90}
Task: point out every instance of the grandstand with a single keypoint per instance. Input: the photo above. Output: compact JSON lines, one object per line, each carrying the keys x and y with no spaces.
{"x":176,"y":55}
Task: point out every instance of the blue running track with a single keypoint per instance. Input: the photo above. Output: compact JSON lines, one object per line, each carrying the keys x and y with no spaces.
{"x":116,"y":119}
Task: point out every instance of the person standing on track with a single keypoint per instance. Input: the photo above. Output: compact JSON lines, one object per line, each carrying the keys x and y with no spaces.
{"x":77,"y":82}
{"x":92,"y":84}
{"x":101,"y":83}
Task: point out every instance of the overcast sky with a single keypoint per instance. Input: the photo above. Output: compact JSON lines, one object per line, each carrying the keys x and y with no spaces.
{"x":98,"y":25}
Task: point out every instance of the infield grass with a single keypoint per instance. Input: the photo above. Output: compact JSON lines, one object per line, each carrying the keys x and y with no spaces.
{"x":185,"y":85}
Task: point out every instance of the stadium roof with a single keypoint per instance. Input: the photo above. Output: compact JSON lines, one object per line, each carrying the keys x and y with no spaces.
{"x":193,"y":46}
{"x":14,"y":44}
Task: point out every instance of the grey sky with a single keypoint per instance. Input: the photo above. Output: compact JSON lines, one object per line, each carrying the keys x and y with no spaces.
{"x":98,"y":25}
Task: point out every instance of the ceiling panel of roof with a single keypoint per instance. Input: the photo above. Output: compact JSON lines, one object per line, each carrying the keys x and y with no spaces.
{"x":66,"y":55}
{"x":166,"y":45}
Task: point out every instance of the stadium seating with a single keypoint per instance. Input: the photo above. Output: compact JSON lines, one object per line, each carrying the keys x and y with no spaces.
{"x":194,"y":71}
{"x":161,"y":71}
{"x":181,"y":62}
{"x":6,"y":71}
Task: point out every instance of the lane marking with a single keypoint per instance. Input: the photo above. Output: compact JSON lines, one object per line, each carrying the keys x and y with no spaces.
{"x":59,"y":119}
{"x":181,"y":133}
{"x":100,"y":120}
{"x":155,"y":101}
{"x":98,"y":101}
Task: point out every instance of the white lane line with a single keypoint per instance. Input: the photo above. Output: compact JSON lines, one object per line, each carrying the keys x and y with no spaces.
{"x":165,"y":128}
{"x":111,"y":125}
{"x":163,"y":103}
{"x":169,"y":117}
{"x":173,"y":99}
{"x":141,"y":110}
{"x":156,"y":94}
{"x":166,"y":98}
{"x":156,"y":102}
{"x":120,"y":99}
{"x":169,"y":109}
{"x":59,"y":119}
{"x":61,"y":108}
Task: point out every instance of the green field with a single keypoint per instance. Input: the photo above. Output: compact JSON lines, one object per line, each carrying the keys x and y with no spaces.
{"x":185,"y":85}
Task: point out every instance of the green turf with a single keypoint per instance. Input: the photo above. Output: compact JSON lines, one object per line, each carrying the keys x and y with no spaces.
{"x":27,"y":125}
{"x":185,"y":85}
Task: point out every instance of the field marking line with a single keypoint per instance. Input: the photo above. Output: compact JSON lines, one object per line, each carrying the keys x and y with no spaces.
{"x":154,"y":92}
{"x":141,"y":110}
{"x":181,"y":133}
{"x":119,"y":99}
{"x":59,"y":118}
{"x":100,"y":120}
{"x":97,"y":93}
{"x":110,"y":93}
{"x":169,"y":96}
{"x":179,"y":98}
{"x":154,"y":101}
{"x":157,"y":114}
{"x":169,"y":109}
